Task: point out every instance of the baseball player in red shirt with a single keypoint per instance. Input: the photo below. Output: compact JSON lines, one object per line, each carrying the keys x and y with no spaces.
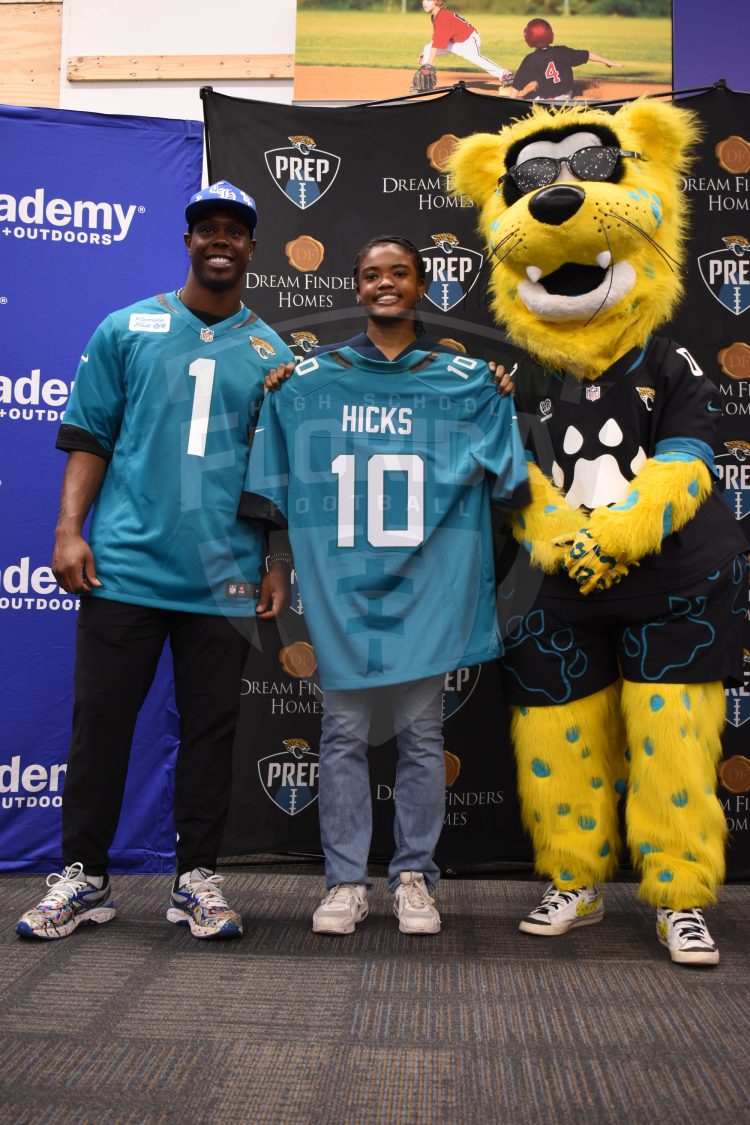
{"x":451,"y":33}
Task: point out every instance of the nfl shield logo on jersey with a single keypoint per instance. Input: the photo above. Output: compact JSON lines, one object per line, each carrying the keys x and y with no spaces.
{"x":290,"y":778}
{"x":304,"y":173}
{"x":451,"y":269}
{"x":726,"y":273}
{"x":593,"y":394}
{"x":206,"y":335}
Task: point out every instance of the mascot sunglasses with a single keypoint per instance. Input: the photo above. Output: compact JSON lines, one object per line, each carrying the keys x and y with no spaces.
{"x":595,"y":163}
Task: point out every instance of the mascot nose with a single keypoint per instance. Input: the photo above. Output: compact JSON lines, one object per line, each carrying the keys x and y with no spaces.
{"x":553,"y":205}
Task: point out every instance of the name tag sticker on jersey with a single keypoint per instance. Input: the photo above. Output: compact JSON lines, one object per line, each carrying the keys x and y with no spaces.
{"x":149,"y":322}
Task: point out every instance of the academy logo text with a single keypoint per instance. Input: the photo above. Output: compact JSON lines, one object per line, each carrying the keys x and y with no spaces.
{"x":34,"y":216}
{"x":25,"y":587}
{"x":31,"y":786}
{"x":29,"y":398}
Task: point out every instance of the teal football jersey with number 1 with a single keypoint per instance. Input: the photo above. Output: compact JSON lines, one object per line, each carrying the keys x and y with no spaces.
{"x":170,"y":403}
{"x":384,"y":472}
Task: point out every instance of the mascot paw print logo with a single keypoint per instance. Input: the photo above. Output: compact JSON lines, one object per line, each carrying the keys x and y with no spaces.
{"x":558,"y":646}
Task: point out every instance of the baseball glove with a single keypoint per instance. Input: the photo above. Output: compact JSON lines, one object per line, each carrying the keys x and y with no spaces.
{"x":424,"y":80}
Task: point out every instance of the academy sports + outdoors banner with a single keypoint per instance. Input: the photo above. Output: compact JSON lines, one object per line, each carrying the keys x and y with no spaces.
{"x":91,"y":219}
{"x":325,"y":181}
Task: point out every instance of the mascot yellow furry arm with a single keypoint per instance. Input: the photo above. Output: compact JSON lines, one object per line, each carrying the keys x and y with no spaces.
{"x":545,"y":523}
{"x":581,"y":283}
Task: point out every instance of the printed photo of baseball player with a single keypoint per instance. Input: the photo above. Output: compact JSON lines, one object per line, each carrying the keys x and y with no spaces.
{"x":452,"y":34}
{"x":546,"y":74}
{"x":373,"y":50}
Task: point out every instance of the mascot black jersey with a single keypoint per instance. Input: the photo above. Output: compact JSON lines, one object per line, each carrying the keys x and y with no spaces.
{"x":592,"y":437}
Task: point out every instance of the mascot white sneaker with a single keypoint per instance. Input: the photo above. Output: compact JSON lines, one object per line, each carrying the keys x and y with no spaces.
{"x":627,"y":600}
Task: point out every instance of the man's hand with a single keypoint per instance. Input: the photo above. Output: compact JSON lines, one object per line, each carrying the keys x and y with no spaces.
{"x":274,"y":592}
{"x":73,"y":564}
{"x":587,"y":565}
{"x":277,"y":376}
{"x":503,"y":380}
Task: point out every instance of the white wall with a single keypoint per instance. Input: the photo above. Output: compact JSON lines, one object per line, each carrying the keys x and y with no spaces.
{"x":172,"y":27}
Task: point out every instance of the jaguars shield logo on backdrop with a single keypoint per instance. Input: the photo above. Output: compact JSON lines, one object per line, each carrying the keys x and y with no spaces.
{"x":290,"y":778}
{"x":451,"y":270}
{"x":726,"y":273}
{"x":734,"y":470}
{"x":304,"y":172}
{"x":458,"y":689}
{"x":738,"y":698}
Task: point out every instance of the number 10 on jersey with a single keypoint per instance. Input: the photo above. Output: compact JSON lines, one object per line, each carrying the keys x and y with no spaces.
{"x":379,"y":465}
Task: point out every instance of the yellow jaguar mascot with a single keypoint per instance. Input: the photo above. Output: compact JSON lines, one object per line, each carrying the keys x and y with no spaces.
{"x":624,"y":609}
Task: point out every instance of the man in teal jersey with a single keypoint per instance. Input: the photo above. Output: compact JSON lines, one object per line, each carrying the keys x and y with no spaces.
{"x":157,"y":433}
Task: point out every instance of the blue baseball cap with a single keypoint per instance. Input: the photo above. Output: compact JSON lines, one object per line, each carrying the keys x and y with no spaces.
{"x":225,"y":195}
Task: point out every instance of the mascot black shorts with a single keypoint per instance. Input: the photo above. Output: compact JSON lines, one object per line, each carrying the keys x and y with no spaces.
{"x":560,"y":651}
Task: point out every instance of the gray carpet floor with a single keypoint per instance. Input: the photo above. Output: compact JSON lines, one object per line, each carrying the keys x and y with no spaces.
{"x":136,"y":1021}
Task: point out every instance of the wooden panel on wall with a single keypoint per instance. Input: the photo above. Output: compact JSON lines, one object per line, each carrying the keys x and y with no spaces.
{"x":31,"y":35}
{"x":150,"y":68}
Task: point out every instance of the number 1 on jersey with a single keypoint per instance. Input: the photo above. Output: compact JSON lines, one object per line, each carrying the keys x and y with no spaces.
{"x":202,"y":370}
{"x":378,"y":535}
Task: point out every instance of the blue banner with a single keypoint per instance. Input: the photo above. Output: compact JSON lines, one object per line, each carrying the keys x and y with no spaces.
{"x":91,"y":219}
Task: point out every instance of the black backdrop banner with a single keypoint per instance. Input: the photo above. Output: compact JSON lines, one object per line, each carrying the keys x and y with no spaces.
{"x":325,"y":181}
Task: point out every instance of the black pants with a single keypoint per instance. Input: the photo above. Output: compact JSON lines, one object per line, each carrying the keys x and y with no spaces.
{"x":117,"y":651}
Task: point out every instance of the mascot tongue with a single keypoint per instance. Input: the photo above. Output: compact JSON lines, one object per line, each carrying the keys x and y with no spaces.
{"x":579,"y":289}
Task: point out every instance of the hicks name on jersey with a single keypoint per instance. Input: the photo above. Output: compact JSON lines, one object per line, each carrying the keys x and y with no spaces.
{"x":376,"y":419}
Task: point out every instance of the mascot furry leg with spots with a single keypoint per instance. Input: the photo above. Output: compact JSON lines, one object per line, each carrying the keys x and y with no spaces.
{"x":631,"y":581}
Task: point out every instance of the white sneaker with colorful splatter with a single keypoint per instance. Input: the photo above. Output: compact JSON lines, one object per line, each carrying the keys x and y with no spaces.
{"x":197,"y":902}
{"x":686,"y":936}
{"x":560,"y":911}
{"x":71,"y":901}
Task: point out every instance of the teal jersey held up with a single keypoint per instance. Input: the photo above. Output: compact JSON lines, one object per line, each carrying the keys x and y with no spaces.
{"x":170,"y":404}
{"x":384,"y":472}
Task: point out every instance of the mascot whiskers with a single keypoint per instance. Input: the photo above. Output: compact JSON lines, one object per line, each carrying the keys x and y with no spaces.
{"x":627,"y":598}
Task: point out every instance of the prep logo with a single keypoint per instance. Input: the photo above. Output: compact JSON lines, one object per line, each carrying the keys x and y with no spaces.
{"x":34,"y":216}
{"x":452,"y":270}
{"x":726,"y":273}
{"x":29,"y":398}
{"x":24,"y":587}
{"x":295,"y":595}
{"x":738,"y":698}
{"x":290,"y":778}
{"x":32,"y":786}
{"x":458,"y":689}
{"x":734,"y":470}
{"x":304,"y":172}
